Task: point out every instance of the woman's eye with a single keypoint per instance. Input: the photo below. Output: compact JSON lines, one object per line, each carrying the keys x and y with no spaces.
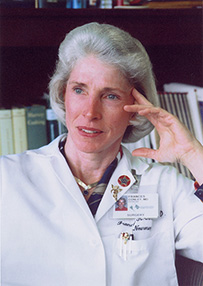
{"x":112,"y":96}
{"x":78,"y":90}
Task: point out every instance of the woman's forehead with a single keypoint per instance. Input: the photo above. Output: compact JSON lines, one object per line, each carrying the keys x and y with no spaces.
{"x":91,"y":69}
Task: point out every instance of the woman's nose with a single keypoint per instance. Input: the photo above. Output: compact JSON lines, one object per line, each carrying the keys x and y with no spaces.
{"x":92,"y":109}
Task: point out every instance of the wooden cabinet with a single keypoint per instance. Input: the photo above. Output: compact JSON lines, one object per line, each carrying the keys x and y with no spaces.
{"x":29,"y":40}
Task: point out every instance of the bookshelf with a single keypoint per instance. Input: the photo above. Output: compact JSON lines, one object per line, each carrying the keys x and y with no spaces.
{"x":29,"y":41}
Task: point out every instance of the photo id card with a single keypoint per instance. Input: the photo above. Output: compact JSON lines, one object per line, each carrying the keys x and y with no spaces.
{"x":136,"y":205}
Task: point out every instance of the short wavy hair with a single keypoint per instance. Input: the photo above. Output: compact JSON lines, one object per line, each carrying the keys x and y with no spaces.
{"x":115,"y":47}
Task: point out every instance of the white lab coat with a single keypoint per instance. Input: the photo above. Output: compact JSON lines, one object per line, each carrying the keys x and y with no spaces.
{"x":50,"y":238}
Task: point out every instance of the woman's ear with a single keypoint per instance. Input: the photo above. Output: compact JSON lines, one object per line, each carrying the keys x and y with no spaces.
{"x":132,"y":117}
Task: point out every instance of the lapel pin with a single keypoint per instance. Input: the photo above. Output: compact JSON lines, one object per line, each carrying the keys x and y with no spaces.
{"x":115,"y":190}
{"x":124,"y":181}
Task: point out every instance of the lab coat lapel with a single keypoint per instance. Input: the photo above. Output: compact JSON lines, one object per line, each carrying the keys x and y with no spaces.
{"x":108,"y":200}
{"x":66,"y":178}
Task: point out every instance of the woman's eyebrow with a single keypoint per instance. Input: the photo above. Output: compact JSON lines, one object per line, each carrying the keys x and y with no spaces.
{"x":78,"y":83}
{"x":115,"y":89}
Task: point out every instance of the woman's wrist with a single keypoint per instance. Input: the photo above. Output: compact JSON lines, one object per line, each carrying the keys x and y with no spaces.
{"x":193,"y":160}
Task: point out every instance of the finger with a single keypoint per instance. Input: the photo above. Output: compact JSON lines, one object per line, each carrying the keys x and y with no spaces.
{"x":145,"y":152}
{"x":140,"y":99}
{"x":149,"y":112}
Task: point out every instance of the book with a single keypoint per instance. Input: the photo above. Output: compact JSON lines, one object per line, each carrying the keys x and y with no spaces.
{"x":174,"y":4}
{"x":104,"y":4}
{"x":77,"y":4}
{"x":69,"y":4}
{"x":36,"y":126}
{"x":159,"y":4}
{"x":52,"y":4}
{"x":6,"y":132}
{"x":19,"y":130}
{"x":96,"y":3}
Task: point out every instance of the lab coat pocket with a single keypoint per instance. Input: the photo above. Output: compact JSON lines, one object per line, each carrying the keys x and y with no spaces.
{"x":157,"y":244}
{"x":147,"y":262}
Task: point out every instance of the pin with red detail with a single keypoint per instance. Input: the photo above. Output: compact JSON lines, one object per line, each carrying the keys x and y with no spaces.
{"x":124,"y":181}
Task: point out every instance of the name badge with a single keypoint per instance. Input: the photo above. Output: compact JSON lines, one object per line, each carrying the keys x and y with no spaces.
{"x":136,"y":205}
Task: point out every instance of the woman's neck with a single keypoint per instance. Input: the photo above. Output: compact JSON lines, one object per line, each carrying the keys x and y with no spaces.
{"x":89,"y":167}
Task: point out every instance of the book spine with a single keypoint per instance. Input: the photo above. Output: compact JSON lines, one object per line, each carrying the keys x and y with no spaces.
{"x":69,"y":4}
{"x":94,"y":4}
{"x":36,"y":126}
{"x":77,"y":4}
{"x":51,"y":3}
{"x":105,"y":4}
{"x":6,"y":132}
{"x":19,"y":130}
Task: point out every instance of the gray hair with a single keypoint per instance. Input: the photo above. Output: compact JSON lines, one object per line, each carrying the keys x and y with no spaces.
{"x":115,"y":47}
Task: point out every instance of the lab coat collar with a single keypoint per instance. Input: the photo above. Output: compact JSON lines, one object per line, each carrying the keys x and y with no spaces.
{"x":66,"y":177}
{"x":64,"y":174}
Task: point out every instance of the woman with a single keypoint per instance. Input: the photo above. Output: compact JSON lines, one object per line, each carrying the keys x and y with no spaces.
{"x":121,"y":205}
{"x":59,"y":224}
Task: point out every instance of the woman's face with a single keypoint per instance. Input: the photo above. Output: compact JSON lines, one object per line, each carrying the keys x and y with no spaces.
{"x":121,"y":204}
{"x":94,"y":99}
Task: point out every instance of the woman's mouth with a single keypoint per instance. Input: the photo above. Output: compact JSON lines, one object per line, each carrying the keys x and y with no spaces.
{"x":89,"y":131}
{"x":85,"y":131}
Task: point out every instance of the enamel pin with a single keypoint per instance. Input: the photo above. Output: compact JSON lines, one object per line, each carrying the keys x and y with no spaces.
{"x":115,"y":190}
{"x":124,"y":181}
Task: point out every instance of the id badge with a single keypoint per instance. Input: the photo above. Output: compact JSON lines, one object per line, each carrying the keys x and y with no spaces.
{"x":136,"y":206}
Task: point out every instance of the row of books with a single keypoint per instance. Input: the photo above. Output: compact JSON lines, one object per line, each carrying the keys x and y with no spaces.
{"x":27,"y":128}
{"x":186,"y":102}
{"x":77,"y":4}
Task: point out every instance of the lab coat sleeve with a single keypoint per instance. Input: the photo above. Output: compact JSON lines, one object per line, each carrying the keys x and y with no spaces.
{"x":188,"y":219}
